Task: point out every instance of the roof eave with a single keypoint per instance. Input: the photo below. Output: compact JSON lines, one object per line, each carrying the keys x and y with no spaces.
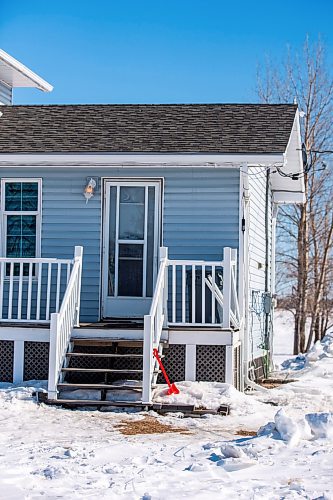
{"x":21,"y":73}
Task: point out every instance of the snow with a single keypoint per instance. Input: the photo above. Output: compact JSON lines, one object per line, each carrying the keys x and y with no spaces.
{"x":274,"y":444}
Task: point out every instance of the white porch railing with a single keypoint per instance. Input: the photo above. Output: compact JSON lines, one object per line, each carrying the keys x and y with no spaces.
{"x":32,"y":289}
{"x":153,"y":325}
{"x":190,"y":293}
{"x":63,"y":322}
{"x":203,"y":293}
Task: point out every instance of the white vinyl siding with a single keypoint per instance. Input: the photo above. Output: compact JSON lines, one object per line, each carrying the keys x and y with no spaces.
{"x":6,"y":93}
{"x":257,"y":256}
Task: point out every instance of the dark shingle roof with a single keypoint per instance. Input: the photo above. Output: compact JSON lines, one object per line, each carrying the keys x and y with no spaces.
{"x":150,"y":128}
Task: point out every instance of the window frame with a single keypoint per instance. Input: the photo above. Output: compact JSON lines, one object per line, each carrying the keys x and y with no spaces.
{"x":5,"y":213}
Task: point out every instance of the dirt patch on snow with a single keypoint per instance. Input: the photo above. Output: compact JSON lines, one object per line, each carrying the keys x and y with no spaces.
{"x":244,"y":432}
{"x":273,"y":383}
{"x":148,"y":425}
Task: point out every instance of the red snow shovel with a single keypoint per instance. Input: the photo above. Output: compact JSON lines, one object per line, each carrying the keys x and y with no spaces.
{"x":172,"y":387}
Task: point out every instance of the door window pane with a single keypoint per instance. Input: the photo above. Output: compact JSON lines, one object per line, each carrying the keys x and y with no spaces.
{"x":131,"y":213}
{"x":130,"y":270}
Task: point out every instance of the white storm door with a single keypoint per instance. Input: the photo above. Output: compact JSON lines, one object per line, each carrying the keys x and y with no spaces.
{"x":131,"y":242}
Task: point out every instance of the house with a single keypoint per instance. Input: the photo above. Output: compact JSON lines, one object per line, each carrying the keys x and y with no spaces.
{"x":126,"y":228}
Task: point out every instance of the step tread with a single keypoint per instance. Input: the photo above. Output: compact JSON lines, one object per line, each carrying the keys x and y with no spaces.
{"x":99,"y":370}
{"x":103,"y":355}
{"x":70,"y":385}
{"x":95,"y":402}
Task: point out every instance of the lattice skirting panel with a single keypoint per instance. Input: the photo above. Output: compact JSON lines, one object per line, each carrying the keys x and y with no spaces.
{"x":6,"y":360}
{"x":174,"y":362}
{"x":237,"y":368}
{"x":210,"y":362}
{"x":36,"y":360}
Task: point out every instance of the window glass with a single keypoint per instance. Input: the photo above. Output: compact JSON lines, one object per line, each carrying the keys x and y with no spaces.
{"x":21,"y":196}
{"x":130,"y":270}
{"x":20,"y":222}
{"x":21,"y":236}
{"x":132,"y":213}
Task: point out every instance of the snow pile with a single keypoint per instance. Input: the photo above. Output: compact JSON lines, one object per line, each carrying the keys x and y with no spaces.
{"x":200,"y":394}
{"x":58,"y":453}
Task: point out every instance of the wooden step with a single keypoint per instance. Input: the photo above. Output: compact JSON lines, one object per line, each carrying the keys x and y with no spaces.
{"x":99,"y":370}
{"x":96,"y":342}
{"x":106,"y":387}
{"x":162,"y":408}
{"x":102,"y":355}
{"x":94,"y":402}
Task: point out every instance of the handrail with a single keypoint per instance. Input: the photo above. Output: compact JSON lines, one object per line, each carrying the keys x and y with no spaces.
{"x":35,"y":260}
{"x":62,"y":324}
{"x":153,"y":325}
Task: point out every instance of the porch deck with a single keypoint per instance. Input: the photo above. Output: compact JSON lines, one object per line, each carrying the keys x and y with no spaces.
{"x":42,"y":297}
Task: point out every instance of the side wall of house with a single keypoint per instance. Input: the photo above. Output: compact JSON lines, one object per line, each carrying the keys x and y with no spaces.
{"x":200,"y":215}
{"x":5,"y":94}
{"x":257,"y":260}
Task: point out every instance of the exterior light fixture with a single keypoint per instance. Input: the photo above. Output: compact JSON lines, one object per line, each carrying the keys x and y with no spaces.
{"x":89,"y":189}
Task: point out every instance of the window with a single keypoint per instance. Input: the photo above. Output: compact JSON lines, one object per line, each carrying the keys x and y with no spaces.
{"x":21,"y":210}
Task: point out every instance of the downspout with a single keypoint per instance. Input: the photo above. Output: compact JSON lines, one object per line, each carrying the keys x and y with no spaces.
{"x":273,"y":277}
{"x":245,"y":231}
{"x":267,"y":298}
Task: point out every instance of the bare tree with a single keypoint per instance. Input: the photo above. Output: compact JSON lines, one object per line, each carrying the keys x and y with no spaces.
{"x":306,"y":231}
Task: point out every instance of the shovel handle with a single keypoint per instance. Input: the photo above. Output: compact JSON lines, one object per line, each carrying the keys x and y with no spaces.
{"x":157,"y":356}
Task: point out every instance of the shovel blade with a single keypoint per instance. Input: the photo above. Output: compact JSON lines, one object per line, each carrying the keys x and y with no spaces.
{"x":173,"y":390}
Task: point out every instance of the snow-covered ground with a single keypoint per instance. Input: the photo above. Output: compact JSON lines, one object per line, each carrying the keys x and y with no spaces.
{"x":275,"y":444}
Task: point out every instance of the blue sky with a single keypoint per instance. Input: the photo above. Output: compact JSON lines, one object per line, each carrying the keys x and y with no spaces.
{"x":134,"y":51}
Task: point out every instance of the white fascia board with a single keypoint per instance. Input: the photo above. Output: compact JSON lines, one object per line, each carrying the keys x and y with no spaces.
{"x":135,"y":159}
{"x":285,"y":197}
{"x":15,"y":74}
{"x":293,"y":164}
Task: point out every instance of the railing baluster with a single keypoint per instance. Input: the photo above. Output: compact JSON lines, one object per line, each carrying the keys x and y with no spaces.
{"x":48,"y":291}
{"x":174,"y":294}
{"x":19,"y":299}
{"x":183,"y":294}
{"x":10,"y":297}
{"x":2,"y":280}
{"x":203,"y":294}
{"x":39,"y":290}
{"x":213,"y":296}
{"x":193,"y":294}
{"x":68,"y":272}
{"x":58,"y":287}
{"x":29,"y":291}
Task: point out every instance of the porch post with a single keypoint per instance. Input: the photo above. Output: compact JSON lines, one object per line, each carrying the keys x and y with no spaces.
{"x":164,"y":255}
{"x":227,"y":256}
{"x":52,"y":392}
{"x":229,"y":364}
{"x":147,"y":360}
{"x":78,"y":254}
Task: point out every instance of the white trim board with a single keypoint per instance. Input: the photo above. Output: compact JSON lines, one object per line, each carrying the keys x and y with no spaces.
{"x":140,"y":159}
{"x":26,"y":334}
{"x":203,"y":337}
